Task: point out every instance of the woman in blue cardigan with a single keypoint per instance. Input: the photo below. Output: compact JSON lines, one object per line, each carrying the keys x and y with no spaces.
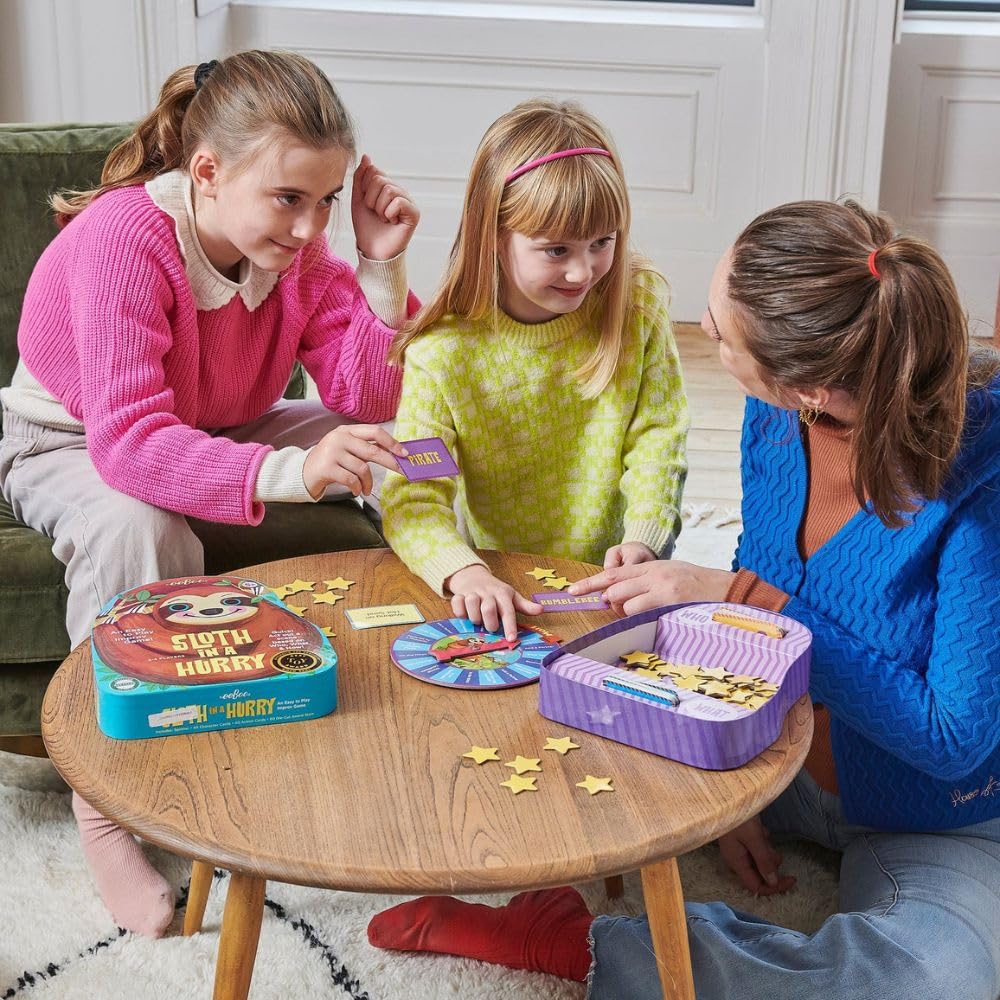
{"x":871,"y":507}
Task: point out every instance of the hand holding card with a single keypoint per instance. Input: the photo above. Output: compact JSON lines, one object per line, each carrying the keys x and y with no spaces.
{"x":337,"y":456}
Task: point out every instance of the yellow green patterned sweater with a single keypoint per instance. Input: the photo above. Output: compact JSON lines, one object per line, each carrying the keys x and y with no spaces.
{"x":544,"y":470}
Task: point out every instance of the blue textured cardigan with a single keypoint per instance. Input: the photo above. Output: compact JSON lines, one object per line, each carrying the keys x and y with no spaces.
{"x":905,"y":624}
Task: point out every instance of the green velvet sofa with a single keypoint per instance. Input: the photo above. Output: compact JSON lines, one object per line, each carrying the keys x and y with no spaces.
{"x":34,"y":161}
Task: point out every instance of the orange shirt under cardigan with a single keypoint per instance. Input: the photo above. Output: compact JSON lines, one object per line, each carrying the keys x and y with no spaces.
{"x":831,"y":503}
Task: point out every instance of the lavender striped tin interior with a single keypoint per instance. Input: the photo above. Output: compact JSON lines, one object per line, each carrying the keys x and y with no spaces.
{"x":572,"y":692}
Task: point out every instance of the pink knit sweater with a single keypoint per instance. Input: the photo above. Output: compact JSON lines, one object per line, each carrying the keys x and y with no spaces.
{"x":109,"y":327}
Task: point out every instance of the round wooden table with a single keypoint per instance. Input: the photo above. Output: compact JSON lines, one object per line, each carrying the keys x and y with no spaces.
{"x":377,"y":797}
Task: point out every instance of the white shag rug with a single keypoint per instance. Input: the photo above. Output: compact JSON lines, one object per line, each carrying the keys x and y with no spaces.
{"x":57,"y":940}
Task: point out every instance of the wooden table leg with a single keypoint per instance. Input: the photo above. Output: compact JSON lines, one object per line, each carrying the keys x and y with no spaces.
{"x":614,"y":886}
{"x":202,"y":874}
{"x":661,"y":888}
{"x":241,"y":922}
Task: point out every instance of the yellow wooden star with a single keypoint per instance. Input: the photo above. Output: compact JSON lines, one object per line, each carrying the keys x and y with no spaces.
{"x":339,"y":584}
{"x":637,"y":657}
{"x":521,"y":764}
{"x":517,"y":784}
{"x":541,"y":574}
{"x":557,"y":583}
{"x":716,"y":673}
{"x":281,"y":592}
{"x":328,"y":597}
{"x":563,"y":745}
{"x":648,"y":672}
{"x":715,"y":688}
{"x":299,"y":586}
{"x":328,"y":632}
{"x":682,"y":670}
{"x":595,"y":785}
{"x":295,"y":610}
{"x":688,"y":683}
{"x":482,"y":754}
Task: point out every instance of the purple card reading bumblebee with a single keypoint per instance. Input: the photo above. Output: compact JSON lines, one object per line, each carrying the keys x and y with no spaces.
{"x":428,"y":459}
{"x":566,"y":602}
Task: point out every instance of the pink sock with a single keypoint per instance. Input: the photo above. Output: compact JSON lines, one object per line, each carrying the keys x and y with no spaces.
{"x":542,"y":931}
{"x":137,"y":895}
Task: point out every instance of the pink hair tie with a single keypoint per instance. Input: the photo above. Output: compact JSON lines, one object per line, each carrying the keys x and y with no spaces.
{"x":871,"y":264}
{"x":531,"y":164}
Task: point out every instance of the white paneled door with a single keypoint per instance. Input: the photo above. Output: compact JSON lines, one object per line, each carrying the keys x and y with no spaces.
{"x":941,"y":175}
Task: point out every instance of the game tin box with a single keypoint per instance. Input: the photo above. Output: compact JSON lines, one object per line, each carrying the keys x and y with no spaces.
{"x":582,"y":684}
{"x":206,"y":652}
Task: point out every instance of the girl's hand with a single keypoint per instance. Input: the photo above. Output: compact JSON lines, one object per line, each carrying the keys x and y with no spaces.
{"x":628,"y":554}
{"x":342,"y":457}
{"x":481,"y":597}
{"x":749,"y":855}
{"x":384,"y":216}
{"x":629,"y":589}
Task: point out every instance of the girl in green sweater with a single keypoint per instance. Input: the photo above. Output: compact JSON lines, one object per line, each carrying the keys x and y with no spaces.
{"x":547,"y":365}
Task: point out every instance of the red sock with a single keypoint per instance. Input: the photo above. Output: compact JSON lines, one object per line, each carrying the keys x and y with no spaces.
{"x":542,"y":931}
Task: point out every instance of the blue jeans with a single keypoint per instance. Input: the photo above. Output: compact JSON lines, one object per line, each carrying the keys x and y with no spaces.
{"x":919,"y":917}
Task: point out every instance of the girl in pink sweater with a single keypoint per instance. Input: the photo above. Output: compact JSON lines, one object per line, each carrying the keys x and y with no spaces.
{"x":158,"y":332}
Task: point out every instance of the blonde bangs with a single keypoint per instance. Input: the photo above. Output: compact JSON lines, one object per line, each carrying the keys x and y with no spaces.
{"x":575,"y":198}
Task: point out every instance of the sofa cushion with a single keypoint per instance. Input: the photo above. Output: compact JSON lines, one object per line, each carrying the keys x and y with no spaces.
{"x":33,"y":595}
{"x":288,"y":530}
{"x":24,"y":687}
{"x":36,"y":160}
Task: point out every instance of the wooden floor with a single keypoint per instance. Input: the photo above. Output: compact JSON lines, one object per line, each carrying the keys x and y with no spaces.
{"x":716,"y":404}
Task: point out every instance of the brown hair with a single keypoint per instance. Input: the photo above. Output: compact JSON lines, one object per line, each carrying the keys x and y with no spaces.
{"x":247,"y":100}
{"x":573,"y":198}
{"x":814,"y":315}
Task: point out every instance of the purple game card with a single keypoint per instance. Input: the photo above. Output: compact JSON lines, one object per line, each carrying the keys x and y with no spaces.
{"x":428,"y":459}
{"x":566,"y":602}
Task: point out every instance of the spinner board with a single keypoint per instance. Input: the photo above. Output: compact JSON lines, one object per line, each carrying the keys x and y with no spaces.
{"x":455,"y":653}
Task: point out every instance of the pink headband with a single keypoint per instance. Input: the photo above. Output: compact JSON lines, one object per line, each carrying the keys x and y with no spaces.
{"x":531,"y":164}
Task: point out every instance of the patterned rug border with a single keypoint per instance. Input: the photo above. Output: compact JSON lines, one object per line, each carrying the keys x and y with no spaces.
{"x":338,"y":976}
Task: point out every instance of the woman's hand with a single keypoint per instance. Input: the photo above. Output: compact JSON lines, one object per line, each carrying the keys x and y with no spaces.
{"x":342,"y":457}
{"x":749,"y":855}
{"x":384,"y":217}
{"x":481,"y":597}
{"x":629,"y":589}
{"x":628,"y":554}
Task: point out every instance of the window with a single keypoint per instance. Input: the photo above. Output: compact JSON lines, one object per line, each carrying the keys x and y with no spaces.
{"x":952,"y":6}
{"x":716,"y":3}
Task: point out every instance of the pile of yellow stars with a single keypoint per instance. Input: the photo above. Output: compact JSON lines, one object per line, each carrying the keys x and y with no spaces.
{"x":548,"y":578}
{"x":522,"y":766}
{"x":744,"y":690}
{"x":328,"y":596}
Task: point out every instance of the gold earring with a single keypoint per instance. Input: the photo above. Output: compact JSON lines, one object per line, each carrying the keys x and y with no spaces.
{"x":809,"y":415}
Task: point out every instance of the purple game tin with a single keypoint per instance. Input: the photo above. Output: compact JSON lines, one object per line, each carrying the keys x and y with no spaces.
{"x":700,"y":730}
